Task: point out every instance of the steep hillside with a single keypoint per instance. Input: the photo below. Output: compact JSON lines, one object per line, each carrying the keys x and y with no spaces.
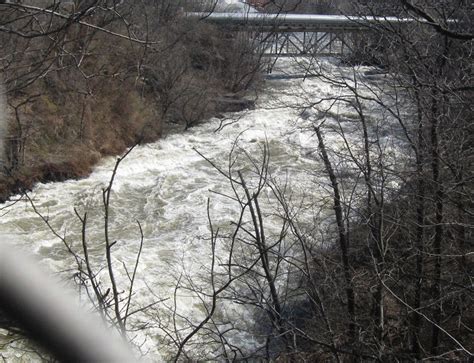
{"x":95,"y":89}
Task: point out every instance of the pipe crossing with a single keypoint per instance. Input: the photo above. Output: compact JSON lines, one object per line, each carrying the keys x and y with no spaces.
{"x":300,"y":35}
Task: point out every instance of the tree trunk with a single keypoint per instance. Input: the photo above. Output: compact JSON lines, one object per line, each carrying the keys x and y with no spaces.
{"x":343,"y":241}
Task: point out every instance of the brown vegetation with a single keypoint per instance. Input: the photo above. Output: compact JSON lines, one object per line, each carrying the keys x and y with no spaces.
{"x":80,"y":91}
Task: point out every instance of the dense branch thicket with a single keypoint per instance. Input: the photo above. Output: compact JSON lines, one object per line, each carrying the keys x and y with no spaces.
{"x":431,"y":66}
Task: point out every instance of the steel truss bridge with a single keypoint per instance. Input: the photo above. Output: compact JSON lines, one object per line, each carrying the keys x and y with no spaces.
{"x":289,"y":35}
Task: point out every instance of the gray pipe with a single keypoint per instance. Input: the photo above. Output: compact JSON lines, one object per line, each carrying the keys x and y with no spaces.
{"x":308,"y":21}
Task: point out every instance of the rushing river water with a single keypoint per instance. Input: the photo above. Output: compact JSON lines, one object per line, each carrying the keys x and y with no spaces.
{"x":165,"y":186}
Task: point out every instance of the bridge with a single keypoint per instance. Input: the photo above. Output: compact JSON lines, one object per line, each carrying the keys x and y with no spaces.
{"x":289,"y":35}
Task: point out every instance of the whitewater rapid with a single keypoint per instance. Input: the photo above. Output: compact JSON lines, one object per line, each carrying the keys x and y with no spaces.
{"x":165,"y":186}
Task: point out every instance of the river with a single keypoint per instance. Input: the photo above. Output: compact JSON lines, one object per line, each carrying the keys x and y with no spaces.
{"x":165,"y":186}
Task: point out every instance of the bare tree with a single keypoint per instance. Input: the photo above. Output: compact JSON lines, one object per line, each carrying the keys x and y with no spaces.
{"x":427,"y":71}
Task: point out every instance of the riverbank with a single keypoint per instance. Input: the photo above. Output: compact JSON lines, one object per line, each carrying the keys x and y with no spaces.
{"x":77,"y":159}
{"x":59,"y":126}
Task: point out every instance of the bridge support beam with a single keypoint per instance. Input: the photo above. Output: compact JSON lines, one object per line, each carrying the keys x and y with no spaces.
{"x":276,"y":45}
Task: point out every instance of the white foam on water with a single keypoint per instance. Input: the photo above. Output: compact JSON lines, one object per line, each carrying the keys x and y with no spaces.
{"x":165,"y":186}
